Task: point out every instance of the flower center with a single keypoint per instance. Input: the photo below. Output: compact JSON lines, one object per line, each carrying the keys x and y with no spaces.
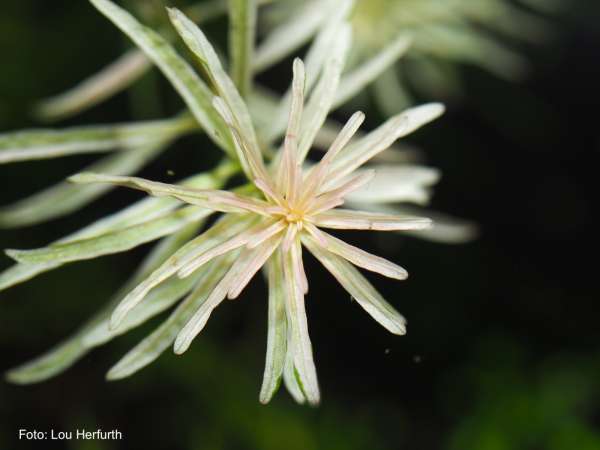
{"x":294,"y":216}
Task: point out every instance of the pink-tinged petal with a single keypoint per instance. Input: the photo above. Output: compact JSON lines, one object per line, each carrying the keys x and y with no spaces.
{"x":240,"y":203}
{"x":363,"y":259}
{"x":287,"y":172}
{"x":345,"y":219}
{"x":380,"y":139}
{"x":317,"y":176}
{"x":289,"y":237}
{"x":225,"y":229}
{"x":268,"y":232}
{"x":193,"y":261}
{"x":324,"y":201}
{"x":196,"y":324}
{"x":258,"y":258}
{"x":299,"y":267}
{"x":268,"y":190}
{"x":317,"y":234}
{"x":359,"y":288}
{"x":215,"y":200}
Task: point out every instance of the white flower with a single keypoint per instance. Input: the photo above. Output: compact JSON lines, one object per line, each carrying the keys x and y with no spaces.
{"x":284,"y":210}
{"x":267,"y":222}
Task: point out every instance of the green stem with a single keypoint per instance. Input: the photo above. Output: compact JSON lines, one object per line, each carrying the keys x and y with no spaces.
{"x":242,"y":30}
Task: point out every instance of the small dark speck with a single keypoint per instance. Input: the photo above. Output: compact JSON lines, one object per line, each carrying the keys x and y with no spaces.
{"x":417,"y":359}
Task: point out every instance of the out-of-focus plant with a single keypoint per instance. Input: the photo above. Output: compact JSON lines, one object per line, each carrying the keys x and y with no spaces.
{"x":441,"y":34}
{"x":515,"y":404}
{"x":278,"y":192}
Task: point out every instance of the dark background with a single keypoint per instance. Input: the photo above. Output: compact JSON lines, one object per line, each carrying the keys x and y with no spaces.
{"x":502,"y":344}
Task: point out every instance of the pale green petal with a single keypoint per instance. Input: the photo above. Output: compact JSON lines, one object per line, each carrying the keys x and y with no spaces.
{"x":321,"y":99}
{"x":363,"y":259}
{"x":199,"y":44}
{"x":64,"y":198}
{"x":192,"y":89}
{"x":94,"y":90}
{"x":242,"y":35}
{"x":277,"y":332}
{"x":359,"y":287}
{"x":390,"y":94}
{"x":397,"y":183}
{"x":116,"y":76}
{"x":289,"y":377}
{"x":446,"y":229}
{"x":356,"y":81}
{"x":225,"y":229}
{"x":112,"y":242}
{"x":301,"y":346}
{"x":42,"y":144}
{"x":263,"y":105}
{"x":152,"y":346}
{"x":318,"y":54}
{"x":292,"y":34}
{"x":347,"y":219}
{"x":20,"y":273}
{"x":159,"y":299}
{"x":467,"y":45}
{"x":141,"y":211}
{"x":216,"y":200}
{"x":65,"y":354}
{"x":509,"y":19}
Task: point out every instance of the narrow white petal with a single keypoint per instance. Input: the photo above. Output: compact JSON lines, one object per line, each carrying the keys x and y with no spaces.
{"x":289,"y":237}
{"x":322,"y":97}
{"x":318,"y":173}
{"x":397,"y":183}
{"x":300,"y":274}
{"x":300,"y":340}
{"x":216,"y":200}
{"x":361,"y":220}
{"x":287,"y":171}
{"x":199,"y":44}
{"x":222,"y":230}
{"x":380,"y":139}
{"x":248,"y":153}
{"x":289,"y":375}
{"x":360,"y":289}
{"x":354,"y":82}
{"x":258,"y":238}
{"x":290,"y":35}
{"x":95,"y":89}
{"x":363,"y":259}
{"x":324,"y":201}
{"x":184,"y":79}
{"x":317,"y":234}
{"x":189,"y":265}
{"x":277,"y":332}
{"x":201,"y":255}
{"x":314,"y":60}
{"x":259,"y":257}
{"x":446,"y":229}
{"x":196,"y":324}
{"x":152,"y":346}
{"x":229,"y":282}
{"x":268,"y":190}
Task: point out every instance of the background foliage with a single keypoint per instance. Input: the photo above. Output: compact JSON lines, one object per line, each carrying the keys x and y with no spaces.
{"x":502,"y":349}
